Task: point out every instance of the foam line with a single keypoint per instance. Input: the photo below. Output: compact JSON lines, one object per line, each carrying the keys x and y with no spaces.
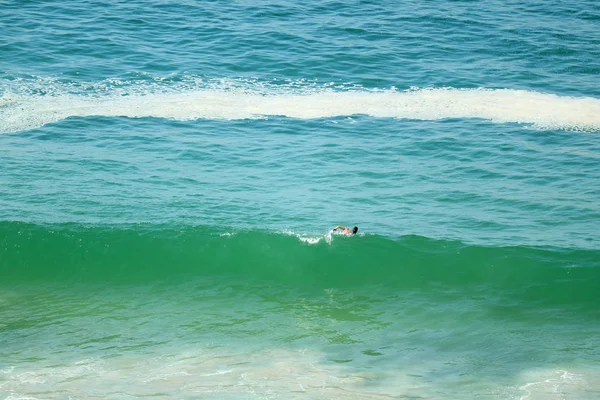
{"x":19,"y":112}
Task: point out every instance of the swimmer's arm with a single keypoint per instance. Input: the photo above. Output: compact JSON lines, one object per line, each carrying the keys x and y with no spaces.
{"x":339,"y":227}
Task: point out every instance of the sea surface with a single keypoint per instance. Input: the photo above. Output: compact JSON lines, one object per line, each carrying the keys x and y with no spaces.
{"x":170,"y":174}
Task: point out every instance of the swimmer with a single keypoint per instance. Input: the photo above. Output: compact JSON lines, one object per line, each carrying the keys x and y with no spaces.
{"x":346,"y":231}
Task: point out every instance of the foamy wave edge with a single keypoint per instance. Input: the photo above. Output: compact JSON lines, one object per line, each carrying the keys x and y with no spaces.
{"x":28,"y":105}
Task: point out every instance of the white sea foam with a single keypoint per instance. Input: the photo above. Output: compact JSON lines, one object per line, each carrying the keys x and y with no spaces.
{"x":554,"y":384}
{"x":31,"y":105}
{"x":311,"y":239}
{"x":227,"y":234}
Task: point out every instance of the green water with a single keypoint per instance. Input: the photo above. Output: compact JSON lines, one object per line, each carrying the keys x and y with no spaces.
{"x":161,"y":311}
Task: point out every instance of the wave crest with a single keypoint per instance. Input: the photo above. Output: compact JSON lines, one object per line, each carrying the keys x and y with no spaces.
{"x":140,"y":253}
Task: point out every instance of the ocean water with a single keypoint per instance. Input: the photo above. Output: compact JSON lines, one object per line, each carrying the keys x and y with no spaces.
{"x":171,"y":172}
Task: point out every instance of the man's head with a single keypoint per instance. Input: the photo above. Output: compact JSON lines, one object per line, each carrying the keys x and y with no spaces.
{"x":354,"y":230}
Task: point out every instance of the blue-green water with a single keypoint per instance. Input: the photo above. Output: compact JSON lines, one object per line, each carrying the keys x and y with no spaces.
{"x":171,"y":173}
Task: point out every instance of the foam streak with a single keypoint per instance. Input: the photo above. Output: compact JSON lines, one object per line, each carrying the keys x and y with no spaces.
{"x":543,"y":111}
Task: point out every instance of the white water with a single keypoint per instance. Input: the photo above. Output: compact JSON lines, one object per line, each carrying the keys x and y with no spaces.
{"x":27,"y":109}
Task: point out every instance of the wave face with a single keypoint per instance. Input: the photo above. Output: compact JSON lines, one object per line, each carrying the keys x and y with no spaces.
{"x":32,"y":104}
{"x":133,"y":254}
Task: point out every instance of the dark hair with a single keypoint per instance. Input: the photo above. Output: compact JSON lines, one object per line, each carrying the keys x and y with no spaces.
{"x":355,"y":229}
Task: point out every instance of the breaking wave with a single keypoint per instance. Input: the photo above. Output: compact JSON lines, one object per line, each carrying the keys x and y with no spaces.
{"x":30,"y":104}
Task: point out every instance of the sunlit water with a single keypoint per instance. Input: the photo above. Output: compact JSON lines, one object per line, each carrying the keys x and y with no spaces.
{"x":171,"y":172}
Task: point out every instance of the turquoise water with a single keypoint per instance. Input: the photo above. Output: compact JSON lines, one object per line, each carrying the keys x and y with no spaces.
{"x":171,"y":173}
